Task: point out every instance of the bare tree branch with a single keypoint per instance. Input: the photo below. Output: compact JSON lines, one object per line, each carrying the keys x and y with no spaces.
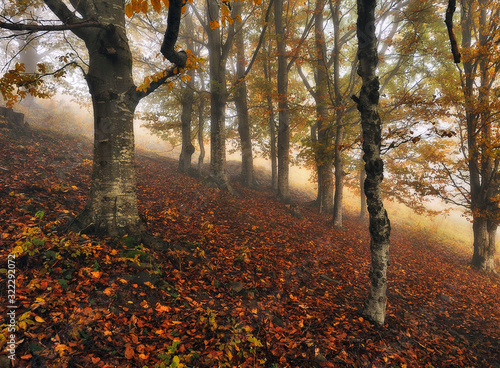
{"x":48,"y":27}
{"x":257,"y":49}
{"x":451,"y":33}
{"x":171,"y":34}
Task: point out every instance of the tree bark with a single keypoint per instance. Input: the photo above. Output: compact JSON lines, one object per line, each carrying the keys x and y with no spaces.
{"x":479,"y":138}
{"x":271,"y":123}
{"x":218,"y":95}
{"x":201,"y":127}
{"x":375,"y":305}
{"x":112,"y":203}
{"x":283,"y":125}
{"x":187,"y":149}
{"x":217,"y":101}
{"x":111,"y":208}
{"x":187,"y":100}
{"x":324,"y":149}
{"x":363,"y":209}
{"x":339,"y":175}
{"x":339,"y":112}
{"x":241,"y":102}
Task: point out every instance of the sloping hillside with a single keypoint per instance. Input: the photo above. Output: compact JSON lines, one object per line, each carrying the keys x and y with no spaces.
{"x":245,"y":283}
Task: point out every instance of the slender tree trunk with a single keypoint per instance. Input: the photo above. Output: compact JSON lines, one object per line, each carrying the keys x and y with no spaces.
{"x":187,"y":100}
{"x":240,"y":100}
{"x":272,"y":142}
{"x":339,"y":176}
{"x":491,"y":249}
{"x":30,"y":58}
{"x":324,"y":155}
{"x":283,"y":126}
{"x":314,"y":140}
{"x":339,"y":112}
{"x":218,"y":98}
{"x":375,"y":306}
{"x":479,"y":138}
{"x":272,"y":125}
{"x":201,"y":127}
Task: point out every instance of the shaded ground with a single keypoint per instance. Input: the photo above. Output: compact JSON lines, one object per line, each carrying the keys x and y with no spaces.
{"x":254,"y":287}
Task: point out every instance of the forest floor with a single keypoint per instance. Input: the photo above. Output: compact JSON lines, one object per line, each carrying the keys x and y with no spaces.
{"x":252,"y":285}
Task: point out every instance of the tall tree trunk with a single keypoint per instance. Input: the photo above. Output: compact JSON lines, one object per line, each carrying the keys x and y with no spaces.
{"x":339,"y":112}
{"x":324,"y":156}
{"x":375,"y":306}
{"x":339,"y":175}
{"x":271,"y":123}
{"x":187,"y":100}
{"x":201,"y":127}
{"x":283,"y":126}
{"x":218,"y":98}
{"x":479,"y":136}
{"x":30,"y":58}
{"x":112,"y":203}
{"x":491,"y":249}
{"x":241,"y":102}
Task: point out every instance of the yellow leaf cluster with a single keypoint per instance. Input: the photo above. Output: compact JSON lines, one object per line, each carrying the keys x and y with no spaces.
{"x":142,"y":6}
{"x":214,"y":24}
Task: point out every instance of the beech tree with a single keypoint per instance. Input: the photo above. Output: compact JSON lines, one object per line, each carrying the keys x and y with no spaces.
{"x":112,"y":203}
{"x":367,"y":102}
{"x":187,"y":102}
{"x":283,"y":113}
{"x":480,"y":23}
{"x":218,"y":49}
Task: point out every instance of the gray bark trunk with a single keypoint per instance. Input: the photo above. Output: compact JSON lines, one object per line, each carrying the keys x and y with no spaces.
{"x":479,"y":136}
{"x":375,"y":305}
{"x":272,"y":125}
{"x":339,"y":176}
{"x":187,"y":100}
{"x":187,"y":149}
{"x":339,"y":134}
{"x":241,"y":102}
{"x":484,"y":244}
{"x":283,"y":125}
{"x":324,"y":155}
{"x":112,"y":203}
{"x":218,"y":98}
{"x":201,"y":127}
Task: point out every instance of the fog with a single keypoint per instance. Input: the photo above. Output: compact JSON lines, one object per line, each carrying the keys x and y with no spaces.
{"x":64,"y":115}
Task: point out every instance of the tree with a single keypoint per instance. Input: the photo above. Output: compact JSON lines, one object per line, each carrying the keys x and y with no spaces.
{"x":112,"y":203}
{"x":323,"y":127}
{"x":218,"y":49}
{"x":187,"y":101}
{"x":284,"y":124}
{"x":375,"y":305}
{"x":241,"y":94}
{"x":481,"y":65}
{"x":270,"y":118}
{"x":241,"y":102}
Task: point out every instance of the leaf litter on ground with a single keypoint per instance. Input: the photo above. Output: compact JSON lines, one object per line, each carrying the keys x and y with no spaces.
{"x":248,"y":284}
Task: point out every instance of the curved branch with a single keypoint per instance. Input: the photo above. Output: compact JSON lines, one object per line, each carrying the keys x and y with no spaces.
{"x":449,"y":25}
{"x":257,"y":49}
{"x":171,"y":34}
{"x":169,"y":73}
{"x":57,"y":27}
